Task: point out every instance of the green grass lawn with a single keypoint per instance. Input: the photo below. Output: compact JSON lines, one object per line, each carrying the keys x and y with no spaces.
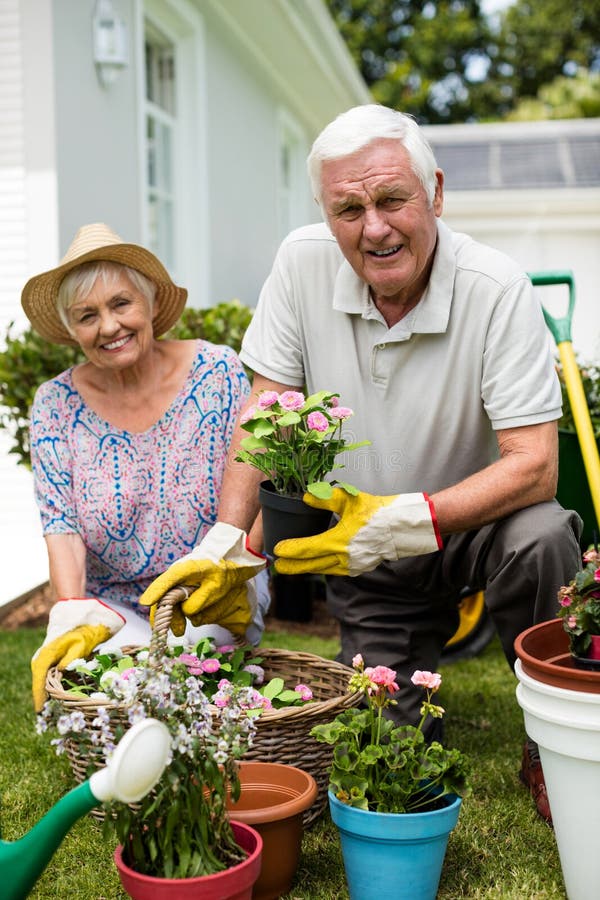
{"x":499,"y":849}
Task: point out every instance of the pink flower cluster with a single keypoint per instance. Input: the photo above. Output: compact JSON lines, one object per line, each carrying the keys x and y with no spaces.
{"x":292,"y":400}
{"x":382,"y":677}
{"x":196,"y":666}
{"x":317,"y":421}
{"x":246,"y":699}
{"x":429,"y":680}
{"x":304,"y":691}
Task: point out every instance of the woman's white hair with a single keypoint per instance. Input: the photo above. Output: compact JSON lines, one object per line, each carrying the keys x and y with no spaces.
{"x":80,"y":281}
{"x":359,"y":126}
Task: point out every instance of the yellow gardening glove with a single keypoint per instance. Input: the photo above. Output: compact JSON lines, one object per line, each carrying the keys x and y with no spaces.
{"x":370,"y":530}
{"x":75,"y":627}
{"x":218,"y":574}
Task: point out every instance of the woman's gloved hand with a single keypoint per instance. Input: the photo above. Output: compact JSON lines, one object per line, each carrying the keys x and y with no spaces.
{"x":75,"y":627}
{"x":218,"y":572}
{"x":370,"y":530}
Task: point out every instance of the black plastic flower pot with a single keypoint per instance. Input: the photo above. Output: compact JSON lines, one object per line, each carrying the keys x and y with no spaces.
{"x":288,"y":517}
{"x":294,"y":597}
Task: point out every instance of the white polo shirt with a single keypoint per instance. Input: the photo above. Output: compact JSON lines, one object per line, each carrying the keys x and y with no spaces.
{"x":472,"y":357}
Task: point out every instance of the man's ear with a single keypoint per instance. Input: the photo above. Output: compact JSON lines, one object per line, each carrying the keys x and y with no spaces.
{"x":438,"y":197}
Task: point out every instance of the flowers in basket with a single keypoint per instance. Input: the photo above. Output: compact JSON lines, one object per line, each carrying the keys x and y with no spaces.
{"x":579,"y":605}
{"x":221,"y":671}
{"x":294,"y":441}
{"x":181,"y":829}
{"x":384,"y":767}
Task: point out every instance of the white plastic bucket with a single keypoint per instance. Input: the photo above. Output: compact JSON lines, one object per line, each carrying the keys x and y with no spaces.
{"x":566,"y":726}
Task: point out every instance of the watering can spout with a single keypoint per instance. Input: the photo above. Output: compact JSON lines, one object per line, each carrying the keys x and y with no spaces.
{"x":134,"y":769}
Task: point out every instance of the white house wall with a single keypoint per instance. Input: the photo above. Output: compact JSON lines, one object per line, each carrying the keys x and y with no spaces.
{"x":97,"y":129}
{"x":544,"y":231}
{"x":242,"y":162}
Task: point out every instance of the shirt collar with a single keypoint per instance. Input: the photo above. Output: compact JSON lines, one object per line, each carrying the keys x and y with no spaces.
{"x":351,"y":293}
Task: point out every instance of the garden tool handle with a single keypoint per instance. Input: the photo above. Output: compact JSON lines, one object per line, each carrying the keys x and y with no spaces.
{"x":561,"y":332}
{"x":559,"y":327}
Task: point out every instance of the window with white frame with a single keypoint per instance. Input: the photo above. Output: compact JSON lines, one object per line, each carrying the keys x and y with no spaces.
{"x":293,"y":180}
{"x":160,"y":114}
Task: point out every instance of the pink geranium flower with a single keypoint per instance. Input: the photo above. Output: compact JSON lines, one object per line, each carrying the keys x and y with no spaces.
{"x":429,"y":680}
{"x":317,"y":421}
{"x":267,"y":399}
{"x":291,"y":400}
{"x":382,"y":676}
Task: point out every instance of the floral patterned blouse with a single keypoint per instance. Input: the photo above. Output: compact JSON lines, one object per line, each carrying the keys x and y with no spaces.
{"x":139,"y":501}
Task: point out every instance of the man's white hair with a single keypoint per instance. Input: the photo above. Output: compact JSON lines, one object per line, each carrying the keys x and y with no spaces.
{"x":359,"y":126}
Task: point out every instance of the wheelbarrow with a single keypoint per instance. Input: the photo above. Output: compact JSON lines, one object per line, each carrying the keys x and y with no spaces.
{"x":571,"y":489}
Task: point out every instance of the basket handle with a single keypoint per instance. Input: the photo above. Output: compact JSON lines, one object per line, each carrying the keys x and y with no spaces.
{"x":162,"y":617}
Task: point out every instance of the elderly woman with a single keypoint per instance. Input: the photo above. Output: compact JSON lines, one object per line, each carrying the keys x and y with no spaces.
{"x":128,"y":451}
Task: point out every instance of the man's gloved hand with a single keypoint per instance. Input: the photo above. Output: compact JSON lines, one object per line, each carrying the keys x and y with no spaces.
{"x":75,"y":627}
{"x":219,"y":572}
{"x":370,"y":530}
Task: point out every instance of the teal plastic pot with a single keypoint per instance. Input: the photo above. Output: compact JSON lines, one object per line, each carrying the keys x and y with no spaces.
{"x":394,"y":856}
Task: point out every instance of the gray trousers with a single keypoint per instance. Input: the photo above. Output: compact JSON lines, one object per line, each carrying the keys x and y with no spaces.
{"x":402,"y":614}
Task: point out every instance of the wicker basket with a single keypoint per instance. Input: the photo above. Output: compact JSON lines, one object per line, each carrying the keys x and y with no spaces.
{"x":282,"y":735}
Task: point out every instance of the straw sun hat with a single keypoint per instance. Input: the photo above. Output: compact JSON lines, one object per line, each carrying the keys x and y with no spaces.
{"x":95,"y":242}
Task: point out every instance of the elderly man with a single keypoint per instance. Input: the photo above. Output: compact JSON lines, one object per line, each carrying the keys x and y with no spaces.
{"x":438,"y":345}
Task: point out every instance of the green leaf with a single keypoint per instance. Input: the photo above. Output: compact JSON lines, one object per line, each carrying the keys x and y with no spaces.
{"x":263,"y":429}
{"x":272,"y":688}
{"x":349,"y":488}
{"x":290,"y":417}
{"x":321,"y":489}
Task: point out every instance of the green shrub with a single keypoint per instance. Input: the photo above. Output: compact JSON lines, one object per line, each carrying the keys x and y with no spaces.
{"x":28,"y":360}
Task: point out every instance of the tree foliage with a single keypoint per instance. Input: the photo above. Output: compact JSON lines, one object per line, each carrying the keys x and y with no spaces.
{"x":445,"y":61}
{"x":416,"y":56}
{"x":541,"y":40}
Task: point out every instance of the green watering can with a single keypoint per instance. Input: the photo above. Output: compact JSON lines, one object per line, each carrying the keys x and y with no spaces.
{"x":133,"y":770}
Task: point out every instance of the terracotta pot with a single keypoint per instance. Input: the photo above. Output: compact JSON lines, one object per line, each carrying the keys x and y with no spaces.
{"x":232,"y":884}
{"x":273,"y":798}
{"x":544,"y":653}
{"x":288,"y":517}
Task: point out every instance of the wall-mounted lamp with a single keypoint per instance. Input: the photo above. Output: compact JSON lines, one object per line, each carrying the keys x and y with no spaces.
{"x":109,"y":43}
